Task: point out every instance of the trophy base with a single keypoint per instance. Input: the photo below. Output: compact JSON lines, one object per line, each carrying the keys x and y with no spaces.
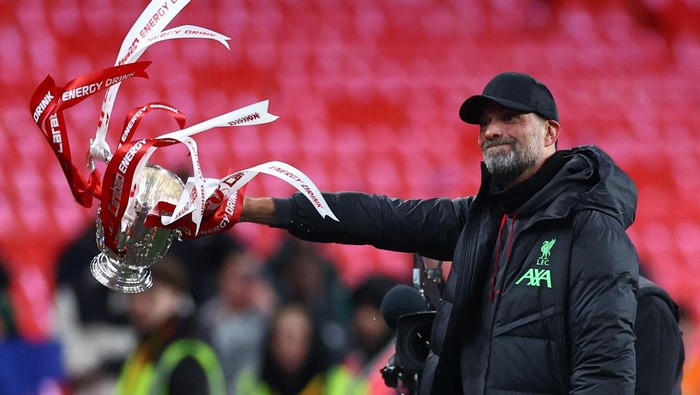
{"x":117,"y":275}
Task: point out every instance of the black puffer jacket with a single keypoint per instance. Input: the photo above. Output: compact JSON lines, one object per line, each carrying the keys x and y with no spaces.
{"x":542,"y":298}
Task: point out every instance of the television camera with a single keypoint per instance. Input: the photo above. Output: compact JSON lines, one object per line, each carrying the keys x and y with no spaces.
{"x":410,"y":311}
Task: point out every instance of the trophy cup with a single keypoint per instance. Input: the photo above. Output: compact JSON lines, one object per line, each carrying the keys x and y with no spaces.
{"x":128,"y":248}
{"x":130,"y":273}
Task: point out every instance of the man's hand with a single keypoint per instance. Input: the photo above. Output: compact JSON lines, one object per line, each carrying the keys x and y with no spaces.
{"x":220,"y":214}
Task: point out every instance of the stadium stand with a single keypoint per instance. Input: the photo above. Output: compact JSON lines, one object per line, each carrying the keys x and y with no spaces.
{"x":367,"y":93}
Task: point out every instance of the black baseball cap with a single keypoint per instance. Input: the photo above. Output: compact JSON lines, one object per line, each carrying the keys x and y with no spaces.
{"x":513,"y":90}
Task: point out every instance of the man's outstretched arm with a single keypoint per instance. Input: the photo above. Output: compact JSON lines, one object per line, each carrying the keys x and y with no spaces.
{"x":259,"y":210}
{"x":430,"y":227}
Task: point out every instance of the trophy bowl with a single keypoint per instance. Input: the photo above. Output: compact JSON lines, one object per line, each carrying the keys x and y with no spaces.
{"x":130,"y":272}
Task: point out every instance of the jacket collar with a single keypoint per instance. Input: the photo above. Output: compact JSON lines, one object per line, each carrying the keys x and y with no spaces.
{"x":586,"y":178}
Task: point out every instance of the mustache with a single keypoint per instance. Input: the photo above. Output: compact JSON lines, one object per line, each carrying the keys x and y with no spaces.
{"x":498,"y":141}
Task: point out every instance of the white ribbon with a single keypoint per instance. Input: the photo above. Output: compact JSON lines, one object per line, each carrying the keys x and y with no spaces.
{"x":148,"y":23}
{"x":195,"y":194}
{"x":146,"y":31}
{"x":186,"y":31}
{"x":198,"y":189}
{"x":285,"y":172}
{"x":254,"y":114}
{"x":195,"y":189}
{"x":190,"y":202}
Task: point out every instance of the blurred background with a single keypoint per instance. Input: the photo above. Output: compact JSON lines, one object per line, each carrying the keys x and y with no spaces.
{"x":367,"y":92}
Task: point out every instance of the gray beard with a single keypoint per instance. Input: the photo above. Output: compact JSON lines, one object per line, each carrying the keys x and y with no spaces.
{"x":506,"y":167}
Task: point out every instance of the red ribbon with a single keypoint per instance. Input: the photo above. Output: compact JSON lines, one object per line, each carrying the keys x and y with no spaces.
{"x":219,"y":216}
{"x":136,"y":114}
{"x":117,"y":185}
{"x":47,"y":105}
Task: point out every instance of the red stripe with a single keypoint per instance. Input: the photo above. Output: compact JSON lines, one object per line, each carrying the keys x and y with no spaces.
{"x":498,"y":255}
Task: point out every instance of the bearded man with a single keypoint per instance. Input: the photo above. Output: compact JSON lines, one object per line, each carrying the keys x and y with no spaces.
{"x":540,"y":298}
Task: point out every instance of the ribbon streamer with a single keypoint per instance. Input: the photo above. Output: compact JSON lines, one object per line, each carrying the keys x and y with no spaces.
{"x":204,"y":200}
{"x":116,"y":206}
{"x":254,"y":114}
{"x":230,"y":184}
{"x":47,"y":105}
{"x":135,"y":115}
{"x":284,"y":172}
{"x":146,"y":31}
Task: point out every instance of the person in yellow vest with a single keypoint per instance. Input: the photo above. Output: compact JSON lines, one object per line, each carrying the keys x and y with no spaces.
{"x":372,"y":344}
{"x":169,"y":358}
{"x":295,"y":361}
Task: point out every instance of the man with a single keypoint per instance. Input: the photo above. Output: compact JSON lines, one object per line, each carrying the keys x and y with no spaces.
{"x":235,"y":318}
{"x":169,"y":358}
{"x":659,"y":346}
{"x":372,"y":343}
{"x":541,"y":295}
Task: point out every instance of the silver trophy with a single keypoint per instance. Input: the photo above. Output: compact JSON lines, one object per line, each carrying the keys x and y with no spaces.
{"x":144,"y":246}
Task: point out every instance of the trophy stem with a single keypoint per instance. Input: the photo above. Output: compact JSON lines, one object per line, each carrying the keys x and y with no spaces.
{"x":119,"y":276}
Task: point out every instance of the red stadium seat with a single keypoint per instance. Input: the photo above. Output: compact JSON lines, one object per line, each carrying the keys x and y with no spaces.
{"x":367,"y":93}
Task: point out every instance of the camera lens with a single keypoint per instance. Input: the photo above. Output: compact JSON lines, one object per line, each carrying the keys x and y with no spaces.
{"x":413,"y":340}
{"x":419,"y":344}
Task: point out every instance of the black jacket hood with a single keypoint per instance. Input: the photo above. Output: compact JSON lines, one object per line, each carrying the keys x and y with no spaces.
{"x":615,"y":193}
{"x":588,"y":180}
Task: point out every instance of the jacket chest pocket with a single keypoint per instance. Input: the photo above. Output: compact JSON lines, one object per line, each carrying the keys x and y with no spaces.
{"x":533,"y":346}
{"x":535,"y":279}
{"x":529,"y":347}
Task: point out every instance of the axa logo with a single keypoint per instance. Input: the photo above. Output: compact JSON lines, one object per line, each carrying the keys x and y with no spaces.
{"x":535,"y":275}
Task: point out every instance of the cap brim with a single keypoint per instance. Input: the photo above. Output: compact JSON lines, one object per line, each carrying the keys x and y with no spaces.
{"x":471,"y":109}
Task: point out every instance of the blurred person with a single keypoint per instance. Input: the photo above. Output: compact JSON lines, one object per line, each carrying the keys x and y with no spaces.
{"x":541,"y":294}
{"x":659,"y":347}
{"x":170,"y":358}
{"x":372,"y":343}
{"x":27,"y":366}
{"x":96,"y":304}
{"x":300,"y":272}
{"x":690,"y":383}
{"x":203,"y":258}
{"x":235,"y":318}
{"x":8,"y":329}
{"x":295,"y":361}
{"x":91,"y":320}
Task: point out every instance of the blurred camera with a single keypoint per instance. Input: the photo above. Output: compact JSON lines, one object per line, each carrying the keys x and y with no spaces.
{"x":403,"y":371}
{"x":413,"y":340}
{"x":411,"y":311}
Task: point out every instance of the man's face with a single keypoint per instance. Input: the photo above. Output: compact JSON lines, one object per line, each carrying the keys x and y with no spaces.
{"x":512,"y":142}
